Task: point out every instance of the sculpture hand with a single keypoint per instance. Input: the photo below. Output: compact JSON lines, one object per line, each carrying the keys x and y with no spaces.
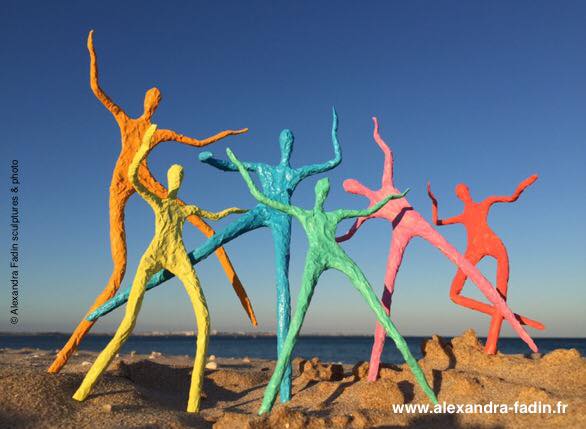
{"x":204,"y":156}
{"x":528,"y":182}
{"x":430,"y":194}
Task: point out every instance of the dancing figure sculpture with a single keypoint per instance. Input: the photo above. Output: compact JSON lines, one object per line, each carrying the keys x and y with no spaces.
{"x":323,"y":254}
{"x":278,"y":182}
{"x":132,"y":131}
{"x":166,"y":250}
{"x":482,"y":242}
{"x":408,"y":224}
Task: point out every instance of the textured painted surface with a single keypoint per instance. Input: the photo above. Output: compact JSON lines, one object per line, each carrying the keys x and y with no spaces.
{"x":482,"y":242}
{"x":407,"y":224}
{"x":278,"y":182}
{"x":166,"y":250}
{"x":132,"y":131}
{"x":323,"y":254}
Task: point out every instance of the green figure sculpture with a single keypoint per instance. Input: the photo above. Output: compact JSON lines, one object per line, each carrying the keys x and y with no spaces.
{"x":323,"y":254}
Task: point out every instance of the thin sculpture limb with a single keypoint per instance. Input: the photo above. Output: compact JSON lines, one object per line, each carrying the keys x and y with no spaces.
{"x":132,"y":131}
{"x":323,"y":254}
{"x":165,"y":251}
{"x":279,"y":181}
{"x":407,"y":224}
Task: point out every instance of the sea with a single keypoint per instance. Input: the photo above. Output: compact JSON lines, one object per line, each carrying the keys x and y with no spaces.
{"x":342,"y":349}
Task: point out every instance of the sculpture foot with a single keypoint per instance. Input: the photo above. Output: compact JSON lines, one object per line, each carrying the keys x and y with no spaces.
{"x":264,"y":408}
{"x":80,"y":395}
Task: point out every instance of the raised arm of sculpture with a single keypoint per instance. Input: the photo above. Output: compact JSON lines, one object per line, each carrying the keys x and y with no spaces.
{"x":95,"y":84}
{"x":261,"y":198}
{"x":151,"y":198}
{"x":387,"y":178}
{"x":312,"y":169}
{"x":347,"y":214}
{"x":434,"y":214}
{"x":509,"y":199}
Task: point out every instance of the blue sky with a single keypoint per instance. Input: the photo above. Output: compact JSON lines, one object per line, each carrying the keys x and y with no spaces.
{"x":484,"y":93}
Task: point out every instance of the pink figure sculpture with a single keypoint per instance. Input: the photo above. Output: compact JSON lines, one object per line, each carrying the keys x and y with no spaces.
{"x":407,"y":224}
{"x":482,"y":241}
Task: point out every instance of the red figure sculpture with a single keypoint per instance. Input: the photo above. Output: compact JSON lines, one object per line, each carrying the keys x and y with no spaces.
{"x":408,"y":224}
{"x":482,"y":241}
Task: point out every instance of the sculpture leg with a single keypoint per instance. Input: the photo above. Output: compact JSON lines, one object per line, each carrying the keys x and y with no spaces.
{"x":145,"y":269}
{"x":502,"y":282}
{"x":469,"y":270}
{"x":247,"y":222}
{"x":227,"y":266}
{"x":118,"y":250}
{"x":398,"y":244}
{"x":282,"y":240}
{"x":186,"y":274}
{"x":359,"y":281}
{"x":310,"y":276}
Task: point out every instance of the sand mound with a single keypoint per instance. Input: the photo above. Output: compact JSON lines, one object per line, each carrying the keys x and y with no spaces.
{"x":140,"y":392}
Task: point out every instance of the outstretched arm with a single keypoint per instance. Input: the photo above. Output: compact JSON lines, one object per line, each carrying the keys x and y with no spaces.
{"x":286,"y":208}
{"x":133,"y":175}
{"x":355,"y":226}
{"x":309,"y":170}
{"x":455,"y":219}
{"x":220,"y":164}
{"x":346,"y":214}
{"x":95,"y":85}
{"x":195,"y":210}
{"x":387,"y":179}
{"x":169,"y":135}
{"x":509,"y":199}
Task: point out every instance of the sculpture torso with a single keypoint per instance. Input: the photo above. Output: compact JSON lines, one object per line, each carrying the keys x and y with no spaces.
{"x":278,"y":182}
{"x":131,"y":134}
{"x":169,"y":220}
{"x":320,"y":227}
{"x":475,"y":219}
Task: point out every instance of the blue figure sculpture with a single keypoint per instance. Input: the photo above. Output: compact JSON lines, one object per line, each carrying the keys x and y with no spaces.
{"x":278,"y":183}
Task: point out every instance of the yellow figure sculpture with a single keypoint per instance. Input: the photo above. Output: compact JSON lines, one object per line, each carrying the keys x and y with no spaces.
{"x":132,"y":131}
{"x":166,"y":251}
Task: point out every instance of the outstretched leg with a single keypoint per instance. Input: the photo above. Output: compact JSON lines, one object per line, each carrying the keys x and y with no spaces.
{"x":145,"y":269}
{"x":312,"y":272}
{"x":281,"y":230}
{"x":502,"y":282}
{"x":467,"y":269}
{"x":228,"y":267}
{"x":118,"y":199}
{"x":359,"y":281}
{"x":186,"y":274}
{"x":399,"y":242}
{"x":247,"y":222}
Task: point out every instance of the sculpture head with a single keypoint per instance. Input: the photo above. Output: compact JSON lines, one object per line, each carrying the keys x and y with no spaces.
{"x":286,"y":142}
{"x":152,"y":98}
{"x":463,"y":193}
{"x":174,"y":179}
{"x":322,"y":189}
{"x":355,"y":187}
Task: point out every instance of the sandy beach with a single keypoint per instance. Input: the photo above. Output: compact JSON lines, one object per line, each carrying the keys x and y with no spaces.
{"x":142,"y":391}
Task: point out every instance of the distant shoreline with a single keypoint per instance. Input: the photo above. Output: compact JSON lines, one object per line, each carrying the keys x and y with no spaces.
{"x":256,"y":335}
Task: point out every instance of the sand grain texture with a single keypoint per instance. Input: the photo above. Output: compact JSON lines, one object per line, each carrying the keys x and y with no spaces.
{"x":139,"y":391}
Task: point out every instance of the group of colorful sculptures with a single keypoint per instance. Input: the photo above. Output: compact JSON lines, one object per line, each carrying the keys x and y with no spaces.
{"x":167,"y":257}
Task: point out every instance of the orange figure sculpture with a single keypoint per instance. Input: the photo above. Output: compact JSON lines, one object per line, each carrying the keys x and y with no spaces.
{"x":132,"y":131}
{"x":482,"y":241}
